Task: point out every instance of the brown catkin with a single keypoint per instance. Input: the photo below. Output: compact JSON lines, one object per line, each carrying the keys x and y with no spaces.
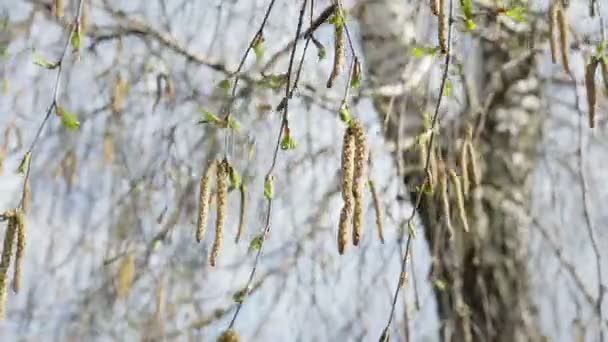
{"x":222,"y":206}
{"x":590,"y":70}
{"x":552,"y":37}
{"x":21,"y":240}
{"x":5,"y":262}
{"x":339,"y":52}
{"x":58,"y":8}
{"x":378,"y":210}
{"x":348,"y":171}
{"x":359,"y":178}
{"x":442,"y":27}
{"x":242,"y":212}
{"x":604,"y":65}
{"x":435,"y":7}
{"x":464,"y":168}
{"x":204,"y":201}
{"x":229,"y":335}
{"x":473,"y":165}
{"x":445,"y":202}
{"x":564,"y":40}
{"x":459,"y":200}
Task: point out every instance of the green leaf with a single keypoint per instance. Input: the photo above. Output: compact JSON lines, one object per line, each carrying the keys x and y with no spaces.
{"x":233,"y":124}
{"x":517,"y":13}
{"x":258,"y":48}
{"x":467,"y":9}
{"x":470,"y":24}
{"x":69,"y":119}
{"x":411,"y":229}
{"x":76,"y":39}
{"x":288,"y":143}
{"x":269,"y":187}
{"x":448,"y":89}
{"x":42,"y":62}
{"x":224,"y":84}
{"x":345,"y":113}
{"x":25,"y":163}
{"x":421,"y":51}
{"x":235,"y":179}
{"x":355,"y":82}
{"x":440,"y":284}
{"x":274,"y":82}
{"x":239,"y":296}
{"x":256,"y":243}
{"x":211,"y":118}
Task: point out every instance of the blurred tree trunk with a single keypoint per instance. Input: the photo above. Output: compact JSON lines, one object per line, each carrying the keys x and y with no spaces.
{"x":482,"y":283}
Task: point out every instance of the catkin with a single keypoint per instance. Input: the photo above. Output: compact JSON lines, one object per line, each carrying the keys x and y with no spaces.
{"x":442,"y":27}
{"x":445,"y":202}
{"x":564,"y":40}
{"x":604,"y":67}
{"x":339,"y":52}
{"x":474,"y":166}
{"x":58,"y":8}
{"x":464,"y":168}
{"x":591,"y":89}
{"x":435,"y":7}
{"x":242,"y":212}
{"x":359,"y":178}
{"x":229,"y":335}
{"x":378,"y":210}
{"x":552,"y":37}
{"x":459,"y":200}
{"x":126,"y":276}
{"x":21,"y":240}
{"x":7,"y":251}
{"x":348,"y":171}
{"x":204,"y":201}
{"x":222,"y":206}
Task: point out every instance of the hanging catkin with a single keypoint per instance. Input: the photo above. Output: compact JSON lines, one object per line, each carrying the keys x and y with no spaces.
{"x":339,"y":49}
{"x":552,"y":34}
{"x":435,"y":7}
{"x":464,"y":167}
{"x":590,"y":70}
{"x":204,"y":200}
{"x":5,"y":262}
{"x":445,"y":201}
{"x":442,"y":27}
{"x":229,"y":335}
{"x":21,"y":231}
{"x":359,"y":178}
{"x":242,"y":212}
{"x":378,"y":210}
{"x":459,"y":200}
{"x":222,"y":206}
{"x":348,"y":170}
{"x":564,"y":40}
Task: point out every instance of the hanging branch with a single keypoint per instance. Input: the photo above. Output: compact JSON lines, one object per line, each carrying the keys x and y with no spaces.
{"x":269,"y":178}
{"x":434,"y":123}
{"x":25,"y":166}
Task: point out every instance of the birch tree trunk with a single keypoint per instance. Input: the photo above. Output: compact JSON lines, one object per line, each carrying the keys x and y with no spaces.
{"x":483,"y":287}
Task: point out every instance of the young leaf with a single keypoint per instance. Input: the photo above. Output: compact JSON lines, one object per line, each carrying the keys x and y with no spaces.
{"x":269,"y":187}
{"x":25,"y":163}
{"x":239,"y":296}
{"x":42,"y":62}
{"x":517,"y":13}
{"x":256,"y":243}
{"x":76,"y":39}
{"x":69,"y":119}
{"x":345,"y":114}
{"x":258,"y":47}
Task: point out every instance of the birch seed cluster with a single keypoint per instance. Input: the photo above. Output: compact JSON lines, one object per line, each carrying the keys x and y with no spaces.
{"x":15,"y":230}
{"x":224,"y":175}
{"x":355,"y":154}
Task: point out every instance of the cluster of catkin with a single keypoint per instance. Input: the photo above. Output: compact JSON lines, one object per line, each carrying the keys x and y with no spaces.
{"x":558,"y":31}
{"x":16,"y":228}
{"x":459,"y":186}
{"x":355,"y":154}
{"x":223,"y":172}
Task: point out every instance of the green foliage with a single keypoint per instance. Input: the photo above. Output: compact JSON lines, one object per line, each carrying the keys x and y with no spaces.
{"x":269,"y":187}
{"x":258,"y":48}
{"x":517,"y":13}
{"x":42,"y":62}
{"x":25,"y":163}
{"x":421,"y":51}
{"x":69,"y":119}
{"x":288,"y":143}
{"x":239,"y":296}
{"x":344,"y":113}
{"x":256,"y":243}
